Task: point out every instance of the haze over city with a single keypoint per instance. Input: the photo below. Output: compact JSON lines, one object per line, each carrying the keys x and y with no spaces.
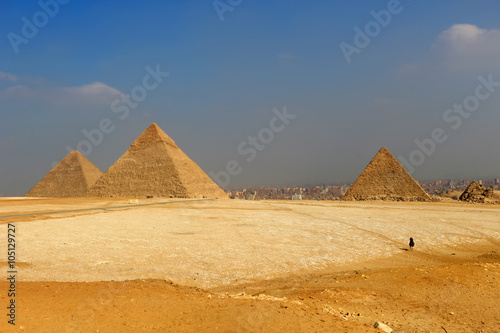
{"x":352,"y":78}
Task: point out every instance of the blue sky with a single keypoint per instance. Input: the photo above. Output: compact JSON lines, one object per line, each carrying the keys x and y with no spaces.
{"x":226,"y":77}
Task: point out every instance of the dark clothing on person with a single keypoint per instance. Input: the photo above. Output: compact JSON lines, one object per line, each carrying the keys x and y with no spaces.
{"x":412,"y":243}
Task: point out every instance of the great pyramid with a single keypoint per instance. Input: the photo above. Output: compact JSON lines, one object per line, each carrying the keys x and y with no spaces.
{"x":385,"y":179}
{"x":477,"y":193}
{"x":72,"y":177}
{"x":155,"y":166}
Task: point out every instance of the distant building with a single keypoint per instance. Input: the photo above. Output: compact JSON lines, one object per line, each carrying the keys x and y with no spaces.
{"x":297,"y":197}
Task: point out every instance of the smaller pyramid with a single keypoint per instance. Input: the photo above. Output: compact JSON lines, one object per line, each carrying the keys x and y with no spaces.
{"x":477,"y":193}
{"x":70,"y":178}
{"x":385,"y":179}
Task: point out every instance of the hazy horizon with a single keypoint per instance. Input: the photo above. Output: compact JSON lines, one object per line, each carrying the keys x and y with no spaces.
{"x":295,"y":93}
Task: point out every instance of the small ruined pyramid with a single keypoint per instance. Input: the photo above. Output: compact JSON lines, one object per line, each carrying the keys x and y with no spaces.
{"x":70,"y":178}
{"x":155,"y":166}
{"x":477,"y":193}
{"x":385,"y":179}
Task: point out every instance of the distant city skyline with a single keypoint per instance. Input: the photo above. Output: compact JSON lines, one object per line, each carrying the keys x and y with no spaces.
{"x":335,"y":192}
{"x":278,"y":93}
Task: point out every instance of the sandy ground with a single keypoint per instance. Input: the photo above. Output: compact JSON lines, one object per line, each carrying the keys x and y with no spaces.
{"x":201,"y":266}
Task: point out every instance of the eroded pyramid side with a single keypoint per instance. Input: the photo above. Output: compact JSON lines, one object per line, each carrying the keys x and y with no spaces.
{"x":385,"y":179}
{"x":155,"y":166}
{"x":478,"y":193}
{"x":72,"y":177}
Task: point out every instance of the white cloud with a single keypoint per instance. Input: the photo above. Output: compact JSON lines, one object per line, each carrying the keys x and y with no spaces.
{"x":96,"y":93}
{"x":18,"y":91}
{"x":7,"y":77}
{"x":95,"y":88}
{"x":461,"y":48}
{"x":465,"y":47}
{"x":466,"y":39}
{"x":462,"y":33}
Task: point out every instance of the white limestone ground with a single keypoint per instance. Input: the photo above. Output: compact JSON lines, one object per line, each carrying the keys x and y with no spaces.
{"x":212,"y":243}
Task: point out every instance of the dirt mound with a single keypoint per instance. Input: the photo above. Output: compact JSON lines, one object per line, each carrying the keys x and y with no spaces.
{"x":72,"y":177}
{"x":154,"y":166}
{"x":385,"y":179}
{"x":477,"y":193}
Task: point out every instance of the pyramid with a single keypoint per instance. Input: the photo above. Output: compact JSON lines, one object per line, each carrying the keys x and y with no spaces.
{"x":155,"y":166}
{"x":72,"y":177}
{"x":476,"y":192}
{"x":385,"y":179}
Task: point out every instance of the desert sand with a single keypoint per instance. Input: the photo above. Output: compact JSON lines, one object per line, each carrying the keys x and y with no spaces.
{"x":251,"y":266}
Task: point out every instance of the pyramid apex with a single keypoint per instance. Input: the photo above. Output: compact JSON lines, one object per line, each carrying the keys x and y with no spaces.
{"x":75,"y":153}
{"x":153,"y":134}
{"x":74,"y":156}
{"x":383,"y":153}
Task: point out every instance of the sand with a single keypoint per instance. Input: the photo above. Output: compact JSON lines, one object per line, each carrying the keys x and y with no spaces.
{"x":316,"y":264}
